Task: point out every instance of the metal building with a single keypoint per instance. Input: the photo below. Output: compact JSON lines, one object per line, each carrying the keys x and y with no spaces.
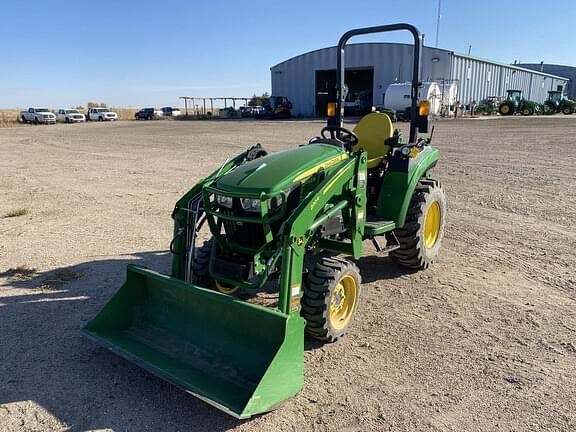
{"x":561,"y":70}
{"x":309,"y":80}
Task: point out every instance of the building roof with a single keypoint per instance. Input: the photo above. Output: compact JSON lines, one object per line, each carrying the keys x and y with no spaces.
{"x":517,"y":67}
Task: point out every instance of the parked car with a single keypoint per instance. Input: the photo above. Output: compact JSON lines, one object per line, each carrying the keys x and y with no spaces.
{"x":70,"y":116}
{"x":171,"y":112}
{"x":38,"y":115}
{"x":101,"y":114}
{"x":148,"y":114}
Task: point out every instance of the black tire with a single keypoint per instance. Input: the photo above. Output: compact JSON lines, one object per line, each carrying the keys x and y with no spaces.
{"x":319,"y":293}
{"x":506,"y":109}
{"x":527,"y":112}
{"x":200,"y":263}
{"x":36,"y":121}
{"x":23,"y":119}
{"x":567,"y":111}
{"x":201,"y":273}
{"x":149,"y":118}
{"x":100,"y":118}
{"x":67,"y":120}
{"x":418,"y":247}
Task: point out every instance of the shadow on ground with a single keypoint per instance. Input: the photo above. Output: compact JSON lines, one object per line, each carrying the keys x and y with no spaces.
{"x":46,"y":360}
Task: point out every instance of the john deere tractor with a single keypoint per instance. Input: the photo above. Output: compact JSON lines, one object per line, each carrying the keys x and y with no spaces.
{"x":515,"y":103}
{"x":555,"y":103}
{"x":291,"y":223}
{"x":278,"y":107}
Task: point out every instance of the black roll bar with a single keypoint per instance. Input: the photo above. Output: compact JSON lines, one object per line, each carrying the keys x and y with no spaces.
{"x":340,"y":71}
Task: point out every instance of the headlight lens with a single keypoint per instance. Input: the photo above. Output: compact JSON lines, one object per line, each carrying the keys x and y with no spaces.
{"x":250,"y":204}
{"x":224,"y":201}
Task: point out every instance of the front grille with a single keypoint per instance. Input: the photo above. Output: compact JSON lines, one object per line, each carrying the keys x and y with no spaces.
{"x":250,"y":235}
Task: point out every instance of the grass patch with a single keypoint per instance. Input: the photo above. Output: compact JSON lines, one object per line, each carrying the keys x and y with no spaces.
{"x":58,"y":277}
{"x":22,"y":272}
{"x":17,"y":213}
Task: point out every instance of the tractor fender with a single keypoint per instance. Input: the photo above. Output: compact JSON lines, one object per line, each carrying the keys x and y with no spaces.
{"x":399,"y":185}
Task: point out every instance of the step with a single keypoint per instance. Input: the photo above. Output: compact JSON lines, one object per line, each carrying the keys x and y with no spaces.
{"x":375,"y":226}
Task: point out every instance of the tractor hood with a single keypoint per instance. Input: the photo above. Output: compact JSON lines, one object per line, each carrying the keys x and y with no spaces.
{"x":281,"y":170}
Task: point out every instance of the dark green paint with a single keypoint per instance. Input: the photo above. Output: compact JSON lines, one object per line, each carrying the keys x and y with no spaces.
{"x":398,"y":187}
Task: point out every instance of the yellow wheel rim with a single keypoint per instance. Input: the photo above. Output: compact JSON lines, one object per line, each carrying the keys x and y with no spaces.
{"x":224,"y":288}
{"x":432,"y":224}
{"x":505,"y":109}
{"x":343,"y":302}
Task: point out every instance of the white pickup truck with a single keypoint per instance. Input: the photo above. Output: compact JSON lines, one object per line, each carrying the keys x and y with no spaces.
{"x":37,"y":116}
{"x":101,"y":114}
{"x":70,"y":116}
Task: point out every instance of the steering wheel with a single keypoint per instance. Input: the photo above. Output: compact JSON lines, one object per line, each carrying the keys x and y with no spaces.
{"x":340,"y":134}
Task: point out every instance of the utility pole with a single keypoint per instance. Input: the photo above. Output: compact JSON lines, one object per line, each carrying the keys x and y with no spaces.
{"x":438,"y":22}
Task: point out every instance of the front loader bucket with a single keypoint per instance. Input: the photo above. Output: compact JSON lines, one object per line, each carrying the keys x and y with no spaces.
{"x":242,"y":358}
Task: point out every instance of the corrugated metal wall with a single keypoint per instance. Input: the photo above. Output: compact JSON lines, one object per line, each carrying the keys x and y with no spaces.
{"x":479,"y":78}
{"x":560,"y":70}
{"x":476,"y":78}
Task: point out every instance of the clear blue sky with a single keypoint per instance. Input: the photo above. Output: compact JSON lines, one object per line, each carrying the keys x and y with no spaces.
{"x":133,"y":53}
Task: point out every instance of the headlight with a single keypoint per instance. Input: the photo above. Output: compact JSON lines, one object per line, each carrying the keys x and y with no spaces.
{"x":224,"y":201}
{"x":405,"y":150}
{"x":250,"y":204}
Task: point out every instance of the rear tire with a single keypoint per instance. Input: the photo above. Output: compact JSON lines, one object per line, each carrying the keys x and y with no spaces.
{"x":23,"y":119}
{"x":330,"y":298}
{"x":506,"y":109}
{"x":421,"y":236}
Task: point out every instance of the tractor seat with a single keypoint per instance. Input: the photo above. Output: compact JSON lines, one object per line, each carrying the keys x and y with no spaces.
{"x":372,"y":131}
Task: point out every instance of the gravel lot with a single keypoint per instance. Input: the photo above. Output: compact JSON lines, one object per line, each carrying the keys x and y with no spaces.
{"x":483,"y":340}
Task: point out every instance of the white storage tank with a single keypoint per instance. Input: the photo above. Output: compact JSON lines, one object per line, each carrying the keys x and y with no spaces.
{"x":397,"y":96}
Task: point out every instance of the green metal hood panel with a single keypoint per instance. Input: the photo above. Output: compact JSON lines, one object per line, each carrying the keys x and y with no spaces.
{"x":280,"y":170}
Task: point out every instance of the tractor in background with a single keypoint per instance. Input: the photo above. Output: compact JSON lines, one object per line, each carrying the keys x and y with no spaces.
{"x":556,"y":103}
{"x":278,"y":107}
{"x":516,"y":104}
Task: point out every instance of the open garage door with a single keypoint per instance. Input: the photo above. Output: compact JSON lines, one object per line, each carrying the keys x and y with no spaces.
{"x":360,"y":82}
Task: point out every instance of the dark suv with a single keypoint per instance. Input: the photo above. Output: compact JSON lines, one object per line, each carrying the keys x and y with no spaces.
{"x":146,"y":114}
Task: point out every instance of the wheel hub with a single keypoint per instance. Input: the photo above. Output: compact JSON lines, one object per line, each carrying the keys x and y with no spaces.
{"x":343,"y":302}
{"x":432,"y":225}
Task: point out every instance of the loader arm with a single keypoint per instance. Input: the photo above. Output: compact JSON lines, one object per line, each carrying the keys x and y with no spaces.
{"x":183,"y":211}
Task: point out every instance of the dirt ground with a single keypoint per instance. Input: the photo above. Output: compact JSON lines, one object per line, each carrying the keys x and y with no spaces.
{"x":483,"y":340}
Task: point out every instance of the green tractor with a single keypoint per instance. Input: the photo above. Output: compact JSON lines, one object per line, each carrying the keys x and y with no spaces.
{"x":515,"y":103}
{"x":555,"y":103}
{"x":292,"y":224}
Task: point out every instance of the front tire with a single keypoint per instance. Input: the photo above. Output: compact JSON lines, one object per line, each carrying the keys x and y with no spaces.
{"x":421,"y":236}
{"x":201,"y":273}
{"x":100,"y":119}
{"x":330,"y":298}
{"x":567,"y":111}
